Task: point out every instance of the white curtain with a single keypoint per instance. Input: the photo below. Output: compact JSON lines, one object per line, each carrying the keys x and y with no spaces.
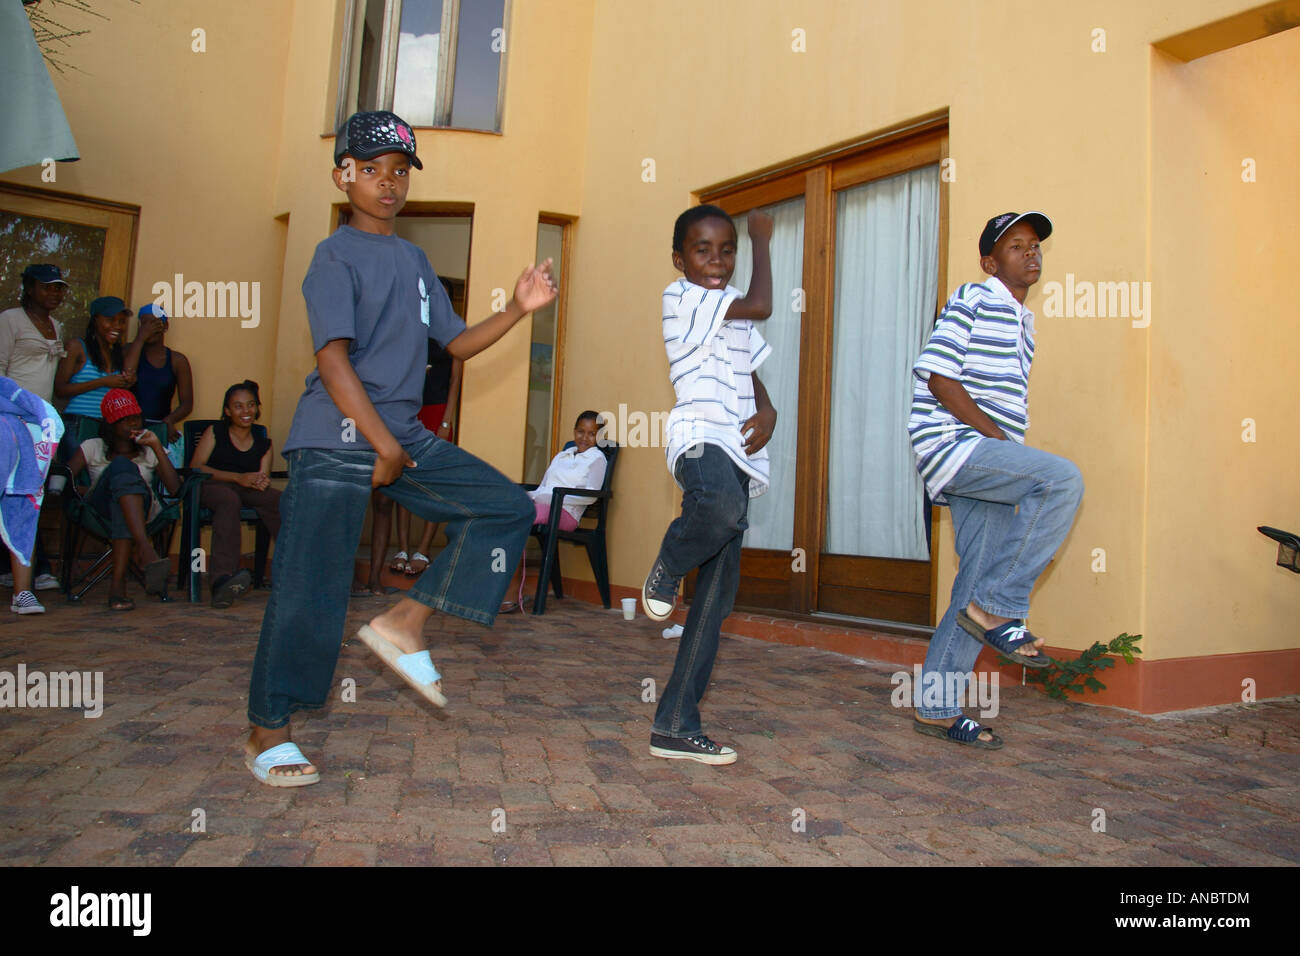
{"x":771,"y":516}
{"x":886,"y":275}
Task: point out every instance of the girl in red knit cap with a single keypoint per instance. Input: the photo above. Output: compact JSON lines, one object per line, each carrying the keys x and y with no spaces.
{"x":122,"y":462}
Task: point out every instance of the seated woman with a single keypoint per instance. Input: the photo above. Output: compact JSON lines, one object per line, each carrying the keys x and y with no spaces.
{"x":239,"y":463}
{"x":582,"y":466}
{"x":122,"y":462}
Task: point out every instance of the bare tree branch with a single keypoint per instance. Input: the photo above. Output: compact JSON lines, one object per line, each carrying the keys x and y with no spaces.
{"x":52,"y":35}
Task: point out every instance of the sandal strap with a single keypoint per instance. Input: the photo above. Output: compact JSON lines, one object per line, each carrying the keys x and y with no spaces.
{"x":419,"y":666}
{"x":967,"y":730}
{"x":1010,"y":637}
{"x":418,"y":556}
{"x":281,"y":755}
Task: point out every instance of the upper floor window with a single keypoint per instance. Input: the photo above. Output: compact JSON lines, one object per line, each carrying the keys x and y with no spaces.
{"x":432,"y":62}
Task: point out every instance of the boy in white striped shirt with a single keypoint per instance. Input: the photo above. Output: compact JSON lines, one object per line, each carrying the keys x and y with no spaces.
{"x":1012,"y":506}
{"x":716,"y":437}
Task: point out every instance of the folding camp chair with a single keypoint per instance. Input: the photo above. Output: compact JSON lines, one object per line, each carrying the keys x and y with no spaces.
{"x":81,"y":521}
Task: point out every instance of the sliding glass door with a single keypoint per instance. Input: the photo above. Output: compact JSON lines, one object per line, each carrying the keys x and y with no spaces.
{"x":856,"y":268}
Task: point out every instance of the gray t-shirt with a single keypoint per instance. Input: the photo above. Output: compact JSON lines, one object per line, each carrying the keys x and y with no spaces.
{"x":381,"y":293}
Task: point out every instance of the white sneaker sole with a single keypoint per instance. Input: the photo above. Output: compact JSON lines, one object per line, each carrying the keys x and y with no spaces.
{"x":715,"y":760}
{"x":650,"y":612}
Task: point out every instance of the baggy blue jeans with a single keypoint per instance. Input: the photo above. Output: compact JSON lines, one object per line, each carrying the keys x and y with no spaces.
{"x":1012,"y":507}
{"x":707,"y":535}
{"x":486,"y":517}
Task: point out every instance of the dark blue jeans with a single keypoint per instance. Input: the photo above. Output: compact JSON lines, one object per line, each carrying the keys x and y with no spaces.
{"x":486,"y":517}
{"x":121,"y":477}
{"x":707,"y":535}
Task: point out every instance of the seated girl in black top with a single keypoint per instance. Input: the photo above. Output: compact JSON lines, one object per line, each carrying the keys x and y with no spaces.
{"x":238,"y":461}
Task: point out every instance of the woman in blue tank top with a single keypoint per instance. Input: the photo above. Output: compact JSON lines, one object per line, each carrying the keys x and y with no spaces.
{"x":96,"y":362}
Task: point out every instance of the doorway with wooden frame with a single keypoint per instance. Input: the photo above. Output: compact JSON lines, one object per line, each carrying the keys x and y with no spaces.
{"x":858,"y":264}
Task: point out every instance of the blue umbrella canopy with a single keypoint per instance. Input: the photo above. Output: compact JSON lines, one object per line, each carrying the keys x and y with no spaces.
{"x":31,"y":115}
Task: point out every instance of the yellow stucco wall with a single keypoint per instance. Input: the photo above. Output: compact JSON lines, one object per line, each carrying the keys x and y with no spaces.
{"x":535,"y":166}
{"x":224,"y":152}
{"x":1225,"y":347}
{"x":192,"y":139}
{"x":1037,"y":120}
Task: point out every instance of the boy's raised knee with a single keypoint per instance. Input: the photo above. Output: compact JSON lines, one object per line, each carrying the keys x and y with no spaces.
{"x":1071,"y":481}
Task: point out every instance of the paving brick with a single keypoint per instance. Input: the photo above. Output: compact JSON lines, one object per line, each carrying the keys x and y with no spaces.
{"x":579,"y":856}
{"x":345,"y":854}
{"x":546,"y":722}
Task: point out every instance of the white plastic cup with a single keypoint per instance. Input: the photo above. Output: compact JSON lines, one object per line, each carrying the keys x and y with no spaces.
{"x":629,"y":609}
{"x":57,"y":483}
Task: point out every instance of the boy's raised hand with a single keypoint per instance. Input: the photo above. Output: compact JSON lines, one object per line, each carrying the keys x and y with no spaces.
{"x":536,"y":288}
{"x":761,"y":225}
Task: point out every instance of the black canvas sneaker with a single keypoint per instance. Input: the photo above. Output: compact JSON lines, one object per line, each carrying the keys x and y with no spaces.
{"x":699,"y":748}
{"x":659,"y":593}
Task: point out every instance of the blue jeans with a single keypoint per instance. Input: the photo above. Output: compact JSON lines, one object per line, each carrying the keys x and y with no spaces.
{"x":120,"y":478}
{"x":486,"y":517}
{"x":707,"y":535}
{"x":1012,"y":507}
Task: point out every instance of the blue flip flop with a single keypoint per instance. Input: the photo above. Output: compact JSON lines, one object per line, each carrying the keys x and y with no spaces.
{"x":416,"y":669}
{"x":1006,"y":639}
{"x":281,"y":755}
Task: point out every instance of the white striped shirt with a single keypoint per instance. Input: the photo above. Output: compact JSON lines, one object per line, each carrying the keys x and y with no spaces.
{"x":985,"y":340}
{"x":710,"y":362}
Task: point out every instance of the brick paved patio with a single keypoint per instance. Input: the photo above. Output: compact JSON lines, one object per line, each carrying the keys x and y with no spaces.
{"x":547,"y":724}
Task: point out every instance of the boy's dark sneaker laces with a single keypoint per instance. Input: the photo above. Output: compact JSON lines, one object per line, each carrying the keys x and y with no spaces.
{"x":699,"y":748}
{"x":659,"y":594}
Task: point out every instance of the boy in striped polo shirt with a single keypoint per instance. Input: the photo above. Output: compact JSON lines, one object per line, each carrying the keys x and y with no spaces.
{"x":1012,"y":506}
{"x":716,"y":434}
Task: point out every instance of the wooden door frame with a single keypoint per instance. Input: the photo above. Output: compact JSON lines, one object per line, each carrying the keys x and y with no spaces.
{"x":561,"y":304}
{"x":120,"y":222}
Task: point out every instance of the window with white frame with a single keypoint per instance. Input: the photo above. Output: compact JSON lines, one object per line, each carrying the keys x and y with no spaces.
{"x":432,"y":62}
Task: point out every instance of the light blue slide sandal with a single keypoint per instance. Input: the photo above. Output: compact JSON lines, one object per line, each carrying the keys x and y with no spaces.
{"x":416,"y":669}
{"x":281,"y":755}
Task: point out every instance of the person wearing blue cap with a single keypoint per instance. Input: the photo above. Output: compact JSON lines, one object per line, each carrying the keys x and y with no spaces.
{"x":96,"y":362}
{"x":163,"y":374}
{"x":31,"y":339}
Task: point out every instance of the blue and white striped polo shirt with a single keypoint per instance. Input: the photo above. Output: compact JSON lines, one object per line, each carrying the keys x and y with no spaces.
{"x":985,"y":340}
{"x":709,"y":363}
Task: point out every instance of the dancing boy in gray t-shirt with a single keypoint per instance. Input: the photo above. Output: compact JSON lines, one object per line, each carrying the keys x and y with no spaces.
{"x":373,"y":302}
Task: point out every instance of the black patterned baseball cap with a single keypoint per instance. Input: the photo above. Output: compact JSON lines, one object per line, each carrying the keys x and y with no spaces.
{"x":996,"y":227}
{"x":371,"y":134}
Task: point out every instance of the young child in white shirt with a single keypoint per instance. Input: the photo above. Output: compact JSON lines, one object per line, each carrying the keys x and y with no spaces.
{"x":716,"y":433}
{"x":582,"y":466}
